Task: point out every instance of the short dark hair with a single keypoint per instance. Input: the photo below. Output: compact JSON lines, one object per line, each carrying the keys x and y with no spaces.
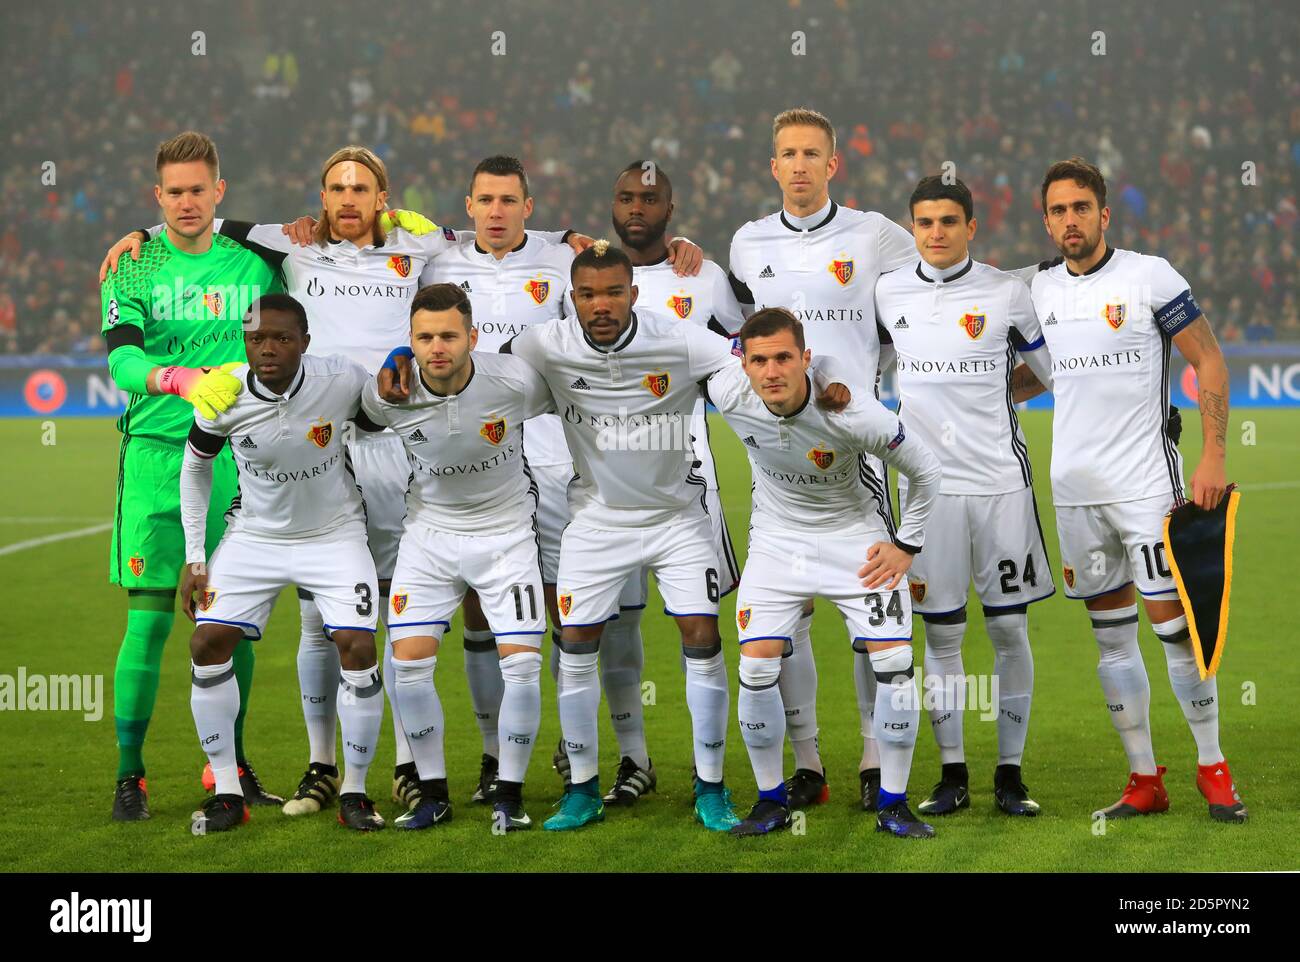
{"x":443,"y":297}
{"x":769,"y":321}
{"x":602,"y":256}
{"x":500,"y":165}
{"x":935,"y":187}
{"x":279,"y":302}
{"x":1081,"y":172}
{"x":640,"y":167}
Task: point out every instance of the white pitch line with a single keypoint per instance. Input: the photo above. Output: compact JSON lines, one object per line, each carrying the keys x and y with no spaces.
{"x":50,"y":538}
{"x":50,"y":519}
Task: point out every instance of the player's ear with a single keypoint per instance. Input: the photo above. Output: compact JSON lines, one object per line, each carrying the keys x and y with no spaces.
{"x":807,"y":357}
{"x":775,"y":177}
{"x":381,"y":200}
{"x":306,"y":341}
{"x":832,"y":165}
{"x":633,"y":292}
{"x":219,"y":191}
{"x":473,"y":338}
{"x":469,"y":207}
{"x":971,"y":227}
{"x":157,"y":193}
{"x":1105,"y":217}
{"x":528,"y":207}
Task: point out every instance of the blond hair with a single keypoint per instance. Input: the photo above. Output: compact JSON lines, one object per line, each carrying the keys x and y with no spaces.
{"x":368,"y":159}
{"x":802,"y":117}
{"x":185,"y":148}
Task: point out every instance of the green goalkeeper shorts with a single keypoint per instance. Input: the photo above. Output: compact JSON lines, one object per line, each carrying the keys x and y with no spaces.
{"x":148,"y":548}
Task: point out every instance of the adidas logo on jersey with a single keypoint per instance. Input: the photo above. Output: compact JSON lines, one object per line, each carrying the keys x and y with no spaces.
{"x":248,"y":444}
{"x":580,"y":385}
{"x":767,"y":272}
{"x":416,"y":437}
{"x":749,"y":442}
{"x":900,"y":324}
{"x":1051,"y":319}
{"x":464,"y":286}
{"x":324,"y":259}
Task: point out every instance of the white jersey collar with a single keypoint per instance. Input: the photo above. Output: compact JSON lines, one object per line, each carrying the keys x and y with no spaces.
{"x":618,"y":345}
{"x":813,"y":221}
{"x":264,"y":393}
{"x":947,"y":275}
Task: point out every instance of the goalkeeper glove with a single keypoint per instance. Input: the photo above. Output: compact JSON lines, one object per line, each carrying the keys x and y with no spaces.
{"x":408,"y":220}
{"x":210,"y":389}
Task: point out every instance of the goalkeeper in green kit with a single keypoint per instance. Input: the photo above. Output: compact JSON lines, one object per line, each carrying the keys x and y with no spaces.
{"x":173,"y":323}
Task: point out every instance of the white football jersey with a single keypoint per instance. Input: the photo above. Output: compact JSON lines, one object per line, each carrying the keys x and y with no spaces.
{"x":468,"y":470}
{"x":809,"y":467}
{"x":295,"y":475}
{"x":530,"y":285}
{"x":1110,"y":332}
{"x":707,"y":300}
{"x":956,"y":338}
{"x":823,"y":268}
{"x":358,"y":299}
{"x":626,"y":412}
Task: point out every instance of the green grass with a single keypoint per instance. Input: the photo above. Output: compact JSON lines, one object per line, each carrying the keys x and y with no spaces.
{"x":61,"y":616}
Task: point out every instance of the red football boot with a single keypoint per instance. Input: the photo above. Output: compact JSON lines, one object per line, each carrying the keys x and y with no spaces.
{"x":1215,"y":783}
{"x":1144,"y":795}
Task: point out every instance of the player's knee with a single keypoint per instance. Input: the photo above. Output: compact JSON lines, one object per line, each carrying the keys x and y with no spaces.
{"x":523,"y":668}
{"x":700,"y":638}
{"x":892,"y":665}
{"x":759,"y":672}
{"x":356,"y":649}
{"x":580,"y":639}
{"x":213,"y":644}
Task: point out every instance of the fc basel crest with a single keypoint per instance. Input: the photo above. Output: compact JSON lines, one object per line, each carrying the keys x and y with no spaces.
{"x":918,"y":591}
{"x":973,"y":325}
{"x":843,"y":270}
{"x":208,"y":597}
{"x":1069,"y":576}
{"x":494,"y":431}
{"x":565,"y":603}
{"x":823,"y":459}
{"x":681,"y":305}
{"x":538,"y":290}
{"x":1115,"y":315}
{"x":213,"y":301}
{"x":657,"y":383}
{"x":399,"y":603}
{"x":136,"y":564}
{"x":401,"y":264}
{"x":320,"y":433}
{"x":742,"y":617}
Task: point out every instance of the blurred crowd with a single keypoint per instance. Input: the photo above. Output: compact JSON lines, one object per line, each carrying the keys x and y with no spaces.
{"x":1191,"y":110}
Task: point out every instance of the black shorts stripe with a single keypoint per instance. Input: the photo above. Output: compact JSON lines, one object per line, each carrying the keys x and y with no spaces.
{"x":883,"y":508}
{"x":117,"y":520}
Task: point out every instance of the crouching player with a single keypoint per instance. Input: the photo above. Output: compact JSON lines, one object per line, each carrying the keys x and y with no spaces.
{"x":471,"y":522}
{"x":816,"y":530}
{"x":298,"y":519}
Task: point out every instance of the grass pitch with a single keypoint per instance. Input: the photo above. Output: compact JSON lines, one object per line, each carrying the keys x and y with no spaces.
{"x":60,"y":616}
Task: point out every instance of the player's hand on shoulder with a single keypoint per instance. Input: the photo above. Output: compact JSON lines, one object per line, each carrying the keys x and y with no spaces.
{"x":131,"y":243}
{"x":194,"y":580}
{"x":409,"y":220}
{"x":835,"y":398}
{"x":394,"y":377}
{"x":301,"y":230}
{"x":886,"y":565}
{"x":686,"y":257}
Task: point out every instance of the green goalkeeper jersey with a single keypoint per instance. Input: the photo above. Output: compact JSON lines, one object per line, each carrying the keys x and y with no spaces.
{"x":182,"y":309}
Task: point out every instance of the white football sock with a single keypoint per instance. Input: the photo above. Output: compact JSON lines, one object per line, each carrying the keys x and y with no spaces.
{"x":483,"y":671}
{"x":1199,"y":699}
{"x":214,"y":700}
{"x":621,"y":659}
{"x":762,"y":719}
{"x":1124,"y":683}
{"x":521,"y":712}
{"x":579,"y":702}
{"x":1013,"y":664}
{"x":708,"y":699}
{"x":864,"y":683}
{"x":945,"y":681}
{"x":799,"y":696}
{"x":318,"y":682}
{"x":898,"y":711}
{"x":404,"y":756}
{"x":421,"y":714}
{"x":361,"y":713}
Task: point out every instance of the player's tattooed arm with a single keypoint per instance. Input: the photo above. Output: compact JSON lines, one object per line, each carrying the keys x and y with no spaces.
{"x":1025,"y":384}
{"x":1197,"y":344}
